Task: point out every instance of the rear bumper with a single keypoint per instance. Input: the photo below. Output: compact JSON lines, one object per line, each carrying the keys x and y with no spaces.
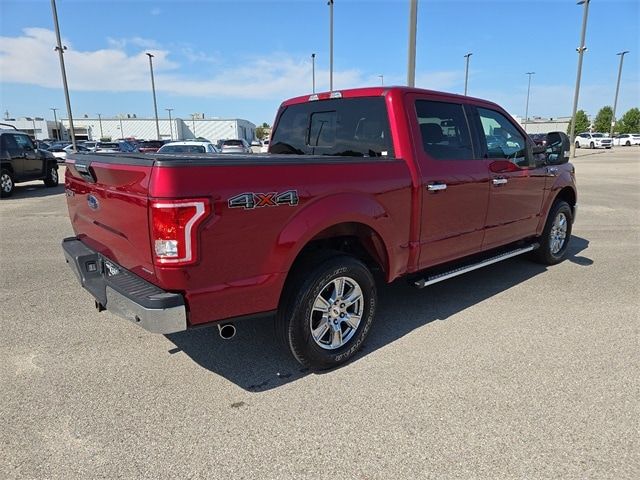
{"x":124,"y":293}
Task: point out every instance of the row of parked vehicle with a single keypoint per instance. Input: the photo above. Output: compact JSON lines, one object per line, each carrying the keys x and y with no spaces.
{"x":595,"y":140}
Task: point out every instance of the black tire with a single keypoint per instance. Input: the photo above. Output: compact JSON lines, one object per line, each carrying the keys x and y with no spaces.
{"x":628,"y":144}
{"x":577,"y":144}
{"x":6,"y":183}
{"x":592,"y":146}
{"x":51,"y":180}
{"x":547,"y":254}
{"x":297,"y":315}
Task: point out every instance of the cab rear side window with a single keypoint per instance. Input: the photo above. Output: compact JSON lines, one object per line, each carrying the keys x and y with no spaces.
{"x":444,"y":130}
{"x":357,"y":127}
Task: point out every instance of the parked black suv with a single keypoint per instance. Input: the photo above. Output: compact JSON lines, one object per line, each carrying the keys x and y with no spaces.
{"x":21,"y":161}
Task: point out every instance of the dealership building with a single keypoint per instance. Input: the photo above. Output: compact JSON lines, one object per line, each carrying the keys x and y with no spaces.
{"x":130,"y":126}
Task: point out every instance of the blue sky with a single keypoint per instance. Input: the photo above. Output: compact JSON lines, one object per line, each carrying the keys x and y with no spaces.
{"x":242,"y":58}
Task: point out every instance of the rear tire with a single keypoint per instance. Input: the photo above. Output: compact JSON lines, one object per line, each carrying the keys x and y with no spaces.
{"x":51,"y":180}
{"x":592,"y":146}
{"x":6,"y":183}
{"x":628,"y":144}
{"x":327,"y":311}
{"x":556,"y":235}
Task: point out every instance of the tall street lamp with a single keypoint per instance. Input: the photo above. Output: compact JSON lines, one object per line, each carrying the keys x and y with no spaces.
{"x":526,"y":110}
{"x":466,"y":72}
{"x":615,"y":101}
{"x":100,"y":122}
{"x":121,"y":128}
{"x":193,"y":124}
{"x":170,"y":124}
{"x":330,"y":3}
{"x":153,"y":89}
{"x":411,"y":61}
{"x":55,"y":121}
{"x":381,"y":77}
{"x":313,"y":73}
{"x":60,"y":49}
{"x":581,"y":49}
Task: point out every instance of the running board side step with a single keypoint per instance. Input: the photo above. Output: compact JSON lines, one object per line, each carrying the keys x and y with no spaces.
{"x":430,"y":280}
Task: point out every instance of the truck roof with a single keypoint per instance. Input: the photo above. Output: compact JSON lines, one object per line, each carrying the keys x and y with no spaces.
{"x":381,"y":91}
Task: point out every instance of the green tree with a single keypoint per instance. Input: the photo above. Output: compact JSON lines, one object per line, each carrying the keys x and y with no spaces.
{"x":261,"y":131}
{"x":582,"y":123}
{"x":630,"y":122}
{"x":603,"y":120}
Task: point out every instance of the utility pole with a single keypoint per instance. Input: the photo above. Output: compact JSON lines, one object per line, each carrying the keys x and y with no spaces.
{"x":581,"y":49}
{"x":121,"y":128}
{"x":615,"y":101}
{"x":193,"y":124}
{"x":330,"y":3}
{"x":466,"y":72}
{"x":411,"y":63}
{"x":55,"y":121}
{"x":381,"y":77}
{"x":60,"y":49}
{"x":153,"y":89}
{"x":313,"y":73}
{"x":526,"y":110}
{"x":100,"y":122}
{"x":170,"y":124}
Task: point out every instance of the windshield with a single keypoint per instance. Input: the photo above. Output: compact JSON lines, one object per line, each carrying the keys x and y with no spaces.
{"x":597,"y":135}
{"x":182,"y":149}
{"x":232,"y":143}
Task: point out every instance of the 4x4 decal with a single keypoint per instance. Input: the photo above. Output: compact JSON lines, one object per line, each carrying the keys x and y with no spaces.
{"x":252,"y":200}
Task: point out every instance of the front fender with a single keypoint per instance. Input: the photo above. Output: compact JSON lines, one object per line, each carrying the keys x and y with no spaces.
{"x":326,"y":212}
{"x":566,"y":179}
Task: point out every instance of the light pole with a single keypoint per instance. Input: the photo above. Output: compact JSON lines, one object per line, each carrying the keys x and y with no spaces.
{"x":381,"y":77}
{"x":153,"y":89}
{"x":170,"y":125}
{"x":466,"y":72}
{"x":526,"y":110}
{"x":193,"y":124}
{"x":100,"y":122}
{"x":55,"y":121}
{"x":60,"y":49}
{"x":615,"y":101}
{"x":576,"y":94}
{"x":411,"y":62}
{"x":121,"y":129}
{"x":33,"y":121}
{"x":330,"y":3}
{"x":313,"y":73}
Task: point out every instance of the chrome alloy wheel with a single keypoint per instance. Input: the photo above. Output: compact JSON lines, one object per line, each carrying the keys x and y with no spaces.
{"x":6,"y":183}
{"x":558,"y":233}
{"x":54,"y":175}
{"x":336,"y":313}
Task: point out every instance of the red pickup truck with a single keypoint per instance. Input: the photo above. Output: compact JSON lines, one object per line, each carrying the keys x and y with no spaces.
{"x":400,"y":181}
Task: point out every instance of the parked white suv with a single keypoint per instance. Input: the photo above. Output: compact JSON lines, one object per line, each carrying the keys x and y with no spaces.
{"x":189,"y":146}
{"x":627,"y":139}
{"x":593,"y":140}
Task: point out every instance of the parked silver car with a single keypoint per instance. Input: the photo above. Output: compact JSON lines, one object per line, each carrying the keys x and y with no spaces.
{"x":236,"y":146}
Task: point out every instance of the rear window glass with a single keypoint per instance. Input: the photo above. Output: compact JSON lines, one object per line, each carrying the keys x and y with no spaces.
{"x":232,"y":143}
{"x":356,"y":127}
{"x":182,"y":149}
{"x":151,"y":144}
{"x":113,"y":146}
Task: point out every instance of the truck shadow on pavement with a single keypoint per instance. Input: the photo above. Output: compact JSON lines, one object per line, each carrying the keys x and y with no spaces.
{"x":34,"y":191}
{"x":256,"y":362}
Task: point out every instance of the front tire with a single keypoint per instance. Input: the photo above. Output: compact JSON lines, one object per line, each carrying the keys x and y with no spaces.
{"x":51,"y":180}
{"x":592,"y":146}
{"x":577,"y":144}
{"x":327,"y":312}
{"x":6,"y":183}
{"x":556,"y":234}
{"x":628,"y":144}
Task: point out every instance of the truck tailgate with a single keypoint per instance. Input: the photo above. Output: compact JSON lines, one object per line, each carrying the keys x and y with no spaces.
{"x":108,"y":203}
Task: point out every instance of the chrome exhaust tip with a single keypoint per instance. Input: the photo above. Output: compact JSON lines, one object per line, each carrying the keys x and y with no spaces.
{"x":227,"y":330}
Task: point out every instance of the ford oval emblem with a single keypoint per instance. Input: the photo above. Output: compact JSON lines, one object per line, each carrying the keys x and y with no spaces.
{"x":93,"y":203}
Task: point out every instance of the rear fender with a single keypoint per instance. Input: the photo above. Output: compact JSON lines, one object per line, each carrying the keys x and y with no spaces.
{"x":327,"y":212}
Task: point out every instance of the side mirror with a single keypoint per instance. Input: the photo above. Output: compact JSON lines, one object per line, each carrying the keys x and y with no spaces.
{"x":557,"y":148}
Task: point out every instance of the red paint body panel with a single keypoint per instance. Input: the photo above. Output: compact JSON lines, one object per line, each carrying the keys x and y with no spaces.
{"x":244,"y":255}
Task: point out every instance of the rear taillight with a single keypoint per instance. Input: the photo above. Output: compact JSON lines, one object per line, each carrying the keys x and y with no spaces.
{"x":174,"y":230}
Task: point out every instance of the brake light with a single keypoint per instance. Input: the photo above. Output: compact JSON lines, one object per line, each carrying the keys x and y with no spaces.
{"x":174,"y":230}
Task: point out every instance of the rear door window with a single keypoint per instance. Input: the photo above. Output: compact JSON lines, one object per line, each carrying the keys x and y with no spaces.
{"x":357,"y":127}
{"x":444,"y":130}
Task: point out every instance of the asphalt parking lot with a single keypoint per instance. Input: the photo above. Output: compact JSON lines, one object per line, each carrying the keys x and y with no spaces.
{"x":513,"y":371}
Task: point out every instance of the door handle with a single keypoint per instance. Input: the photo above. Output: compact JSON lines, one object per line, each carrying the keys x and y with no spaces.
{"x":436,"y":187}
{"x":499,"y":181}
{"x":552,"y":171}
